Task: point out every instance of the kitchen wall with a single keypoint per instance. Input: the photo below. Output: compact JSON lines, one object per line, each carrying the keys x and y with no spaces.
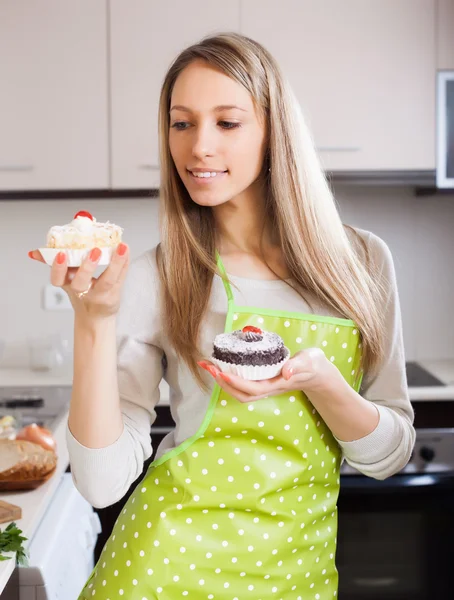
{"x":419,"y":232}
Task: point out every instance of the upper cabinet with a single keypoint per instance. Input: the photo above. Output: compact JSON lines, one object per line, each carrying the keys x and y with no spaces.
{"x":80,"y":81}
{"x":445,"y":34}
{"x":145,"y":36}
{"x":363,"y":72}
{"x":53,"y":99}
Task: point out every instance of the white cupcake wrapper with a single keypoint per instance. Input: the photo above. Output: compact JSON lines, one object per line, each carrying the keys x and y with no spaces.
{"x":252,"y":373}
{"x":75,"y":257}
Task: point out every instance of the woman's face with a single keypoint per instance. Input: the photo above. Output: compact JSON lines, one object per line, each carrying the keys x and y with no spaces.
{"x":216,"y":138}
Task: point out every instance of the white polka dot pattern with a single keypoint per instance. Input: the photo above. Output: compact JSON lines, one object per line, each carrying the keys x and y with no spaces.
{"x":249,"y":506}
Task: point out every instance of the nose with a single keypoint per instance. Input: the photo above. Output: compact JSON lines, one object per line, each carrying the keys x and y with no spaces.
{"x":204,"y":141}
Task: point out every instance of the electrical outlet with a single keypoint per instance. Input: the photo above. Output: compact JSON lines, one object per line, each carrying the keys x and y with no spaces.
{"x":54,"y":298}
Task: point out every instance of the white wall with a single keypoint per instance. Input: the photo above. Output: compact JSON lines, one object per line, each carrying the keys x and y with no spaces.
{"x":419,"y":232}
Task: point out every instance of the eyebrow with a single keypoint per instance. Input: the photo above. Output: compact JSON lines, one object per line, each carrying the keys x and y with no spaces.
{"x":216,"y":108}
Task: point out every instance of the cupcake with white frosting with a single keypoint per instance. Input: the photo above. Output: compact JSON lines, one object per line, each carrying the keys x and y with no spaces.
{"x":250,"y":353}
{"x":80,"y":236}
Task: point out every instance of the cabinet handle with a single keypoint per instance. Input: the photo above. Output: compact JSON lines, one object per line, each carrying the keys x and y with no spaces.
{"x":161,"y":430}
{"x":15,"y":168}
{"x":338,"y":148}
{"x":149,"y":167}
{"x":372,"y":582}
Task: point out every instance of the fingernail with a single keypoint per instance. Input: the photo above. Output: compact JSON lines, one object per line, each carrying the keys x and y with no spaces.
{"x":30,"y":254}
{"x":224,"y":377}
{"x":212,"y":370}
{"x":95,"y":254}
{"x":122,"y":249}
{"x":289,"y":373}
{"x":61,"y":258}
{"x":202,"y":363}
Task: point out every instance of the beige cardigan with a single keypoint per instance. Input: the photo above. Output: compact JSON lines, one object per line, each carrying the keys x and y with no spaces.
{"x":104,"y":475}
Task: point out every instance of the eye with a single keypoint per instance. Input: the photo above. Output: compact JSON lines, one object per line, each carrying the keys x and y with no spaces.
{"x":180,"y":125}
{"x":229,"y":124}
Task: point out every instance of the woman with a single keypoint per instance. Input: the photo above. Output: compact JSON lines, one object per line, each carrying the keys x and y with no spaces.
{"x":241,"y":499}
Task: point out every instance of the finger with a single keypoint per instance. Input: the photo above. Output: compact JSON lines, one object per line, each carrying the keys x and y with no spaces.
{"x":212,"y":369}
{"x":124,"y":271}
{"x":252,"y":388}
{"x":232,"y":391}
{"x":84,"y":274}
{"x":276,"y":387}
{"x":59,"y":270}
{"x":298,"y":363}
{"x":36,"y":255}
{"x":116,"y":271}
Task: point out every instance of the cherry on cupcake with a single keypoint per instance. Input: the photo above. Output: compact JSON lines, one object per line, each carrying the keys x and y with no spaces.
{"x":251,"y":329}
{"x":83,"y":213}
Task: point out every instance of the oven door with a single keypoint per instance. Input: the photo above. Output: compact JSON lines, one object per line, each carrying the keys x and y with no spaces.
{"x":395,"y":537}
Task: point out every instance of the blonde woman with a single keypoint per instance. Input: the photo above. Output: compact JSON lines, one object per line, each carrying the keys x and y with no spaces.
{"x":240,"y":501}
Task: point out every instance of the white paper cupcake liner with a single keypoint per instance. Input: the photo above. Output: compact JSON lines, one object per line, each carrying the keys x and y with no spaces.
{"x":252,"y":372}
{"x":75,"y":257}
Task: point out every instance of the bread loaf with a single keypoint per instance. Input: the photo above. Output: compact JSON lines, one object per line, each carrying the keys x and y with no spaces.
{"x":21,"y":460}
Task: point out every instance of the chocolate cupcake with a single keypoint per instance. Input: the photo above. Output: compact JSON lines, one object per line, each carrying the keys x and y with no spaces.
{"x":250,"y":353}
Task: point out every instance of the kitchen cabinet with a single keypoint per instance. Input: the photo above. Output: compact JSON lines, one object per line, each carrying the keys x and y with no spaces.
{"x":53,"y":99}
{"x":445,"y":34}
{"x":145,"y":36}
{"x":363,"y":72}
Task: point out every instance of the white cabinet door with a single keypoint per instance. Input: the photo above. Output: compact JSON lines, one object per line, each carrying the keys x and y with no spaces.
{"x":146,"y":35}
{"x":364,"y":73}
{"x":445,"y":41}
{"x":53,"y":95}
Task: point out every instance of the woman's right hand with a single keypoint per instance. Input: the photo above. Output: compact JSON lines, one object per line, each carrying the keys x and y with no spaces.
{"x":103,"y":296}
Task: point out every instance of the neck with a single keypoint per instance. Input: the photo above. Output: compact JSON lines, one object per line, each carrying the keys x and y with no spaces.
{"x":241,"y":224}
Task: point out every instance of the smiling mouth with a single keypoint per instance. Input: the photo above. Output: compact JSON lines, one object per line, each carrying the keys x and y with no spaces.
{"x":206,"y":174}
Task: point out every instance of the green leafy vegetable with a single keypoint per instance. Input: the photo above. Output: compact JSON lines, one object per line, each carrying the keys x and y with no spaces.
{"x":11,"y":540}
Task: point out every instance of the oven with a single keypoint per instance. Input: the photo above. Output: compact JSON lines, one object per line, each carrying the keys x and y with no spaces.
{"x":395,"y":536}
{"x":163,"y":425}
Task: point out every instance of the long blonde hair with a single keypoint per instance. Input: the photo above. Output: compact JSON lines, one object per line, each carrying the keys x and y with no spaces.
{"x":318,"y":253}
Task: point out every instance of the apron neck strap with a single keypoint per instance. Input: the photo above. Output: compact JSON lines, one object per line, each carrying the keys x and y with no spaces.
{"x":225,"y":279}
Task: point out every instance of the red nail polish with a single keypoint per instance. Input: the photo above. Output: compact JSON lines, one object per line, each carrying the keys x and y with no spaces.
{"x":211,"y":370}
{"x":122,"y":249}
{"x":95,"y":254}
{"x":61,"y":258}
{"x":30,"y":254}
{"x":201,"y":363}
{"x":224,"y":377}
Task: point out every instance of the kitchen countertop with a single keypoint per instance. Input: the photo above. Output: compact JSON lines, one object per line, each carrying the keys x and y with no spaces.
{"x":34,"y":503}
{"x":27,"y":378}
{"x":442,"y":369}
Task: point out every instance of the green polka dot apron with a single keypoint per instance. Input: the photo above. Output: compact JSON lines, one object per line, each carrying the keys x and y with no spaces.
{"x":245,"y":508}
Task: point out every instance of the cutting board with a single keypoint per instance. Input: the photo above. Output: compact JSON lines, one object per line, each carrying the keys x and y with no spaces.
{"x":9,"y":512}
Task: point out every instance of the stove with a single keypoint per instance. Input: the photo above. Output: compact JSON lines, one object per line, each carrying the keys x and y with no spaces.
{"x":43,"y":405}
{"x":417,"y":376}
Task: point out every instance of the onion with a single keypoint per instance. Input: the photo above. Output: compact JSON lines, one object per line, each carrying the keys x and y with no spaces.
{"x":37,"y":435}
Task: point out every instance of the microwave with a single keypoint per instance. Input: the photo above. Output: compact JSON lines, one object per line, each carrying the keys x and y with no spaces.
{"x":445,"y":129}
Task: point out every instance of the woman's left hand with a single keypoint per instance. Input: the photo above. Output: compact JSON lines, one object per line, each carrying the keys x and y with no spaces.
{"x":308,"y":370}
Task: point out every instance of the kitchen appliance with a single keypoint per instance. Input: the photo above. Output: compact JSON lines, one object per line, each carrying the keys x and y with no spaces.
{"x":445,"y":129}
{"x":41,"y":405}
{"x":61,"y":551}
{"x":163,"y":425}
{"x":395,"y":536}
{"x":417,"y":376}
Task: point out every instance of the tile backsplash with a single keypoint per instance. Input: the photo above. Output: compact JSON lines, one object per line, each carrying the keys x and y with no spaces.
{"x":419,"y":231}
